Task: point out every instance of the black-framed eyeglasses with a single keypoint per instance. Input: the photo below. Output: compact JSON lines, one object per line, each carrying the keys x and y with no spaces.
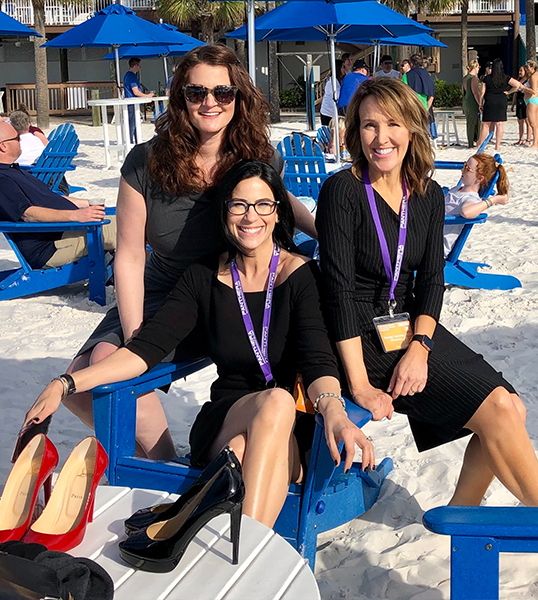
{"x":264,"y":208}
{"x":18,"y":138}
{"x":196,"y":94}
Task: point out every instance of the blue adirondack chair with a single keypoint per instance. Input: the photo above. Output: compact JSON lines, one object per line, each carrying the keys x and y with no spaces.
{"x":323,"y":137}
{"x":57,"y":158}
{"x":304,"y":165}
{"x":23,"y":281}
{"x":456,"y":165}
{"x":328,"y":498}
{"x":466,"y":274}
{"x":478,"y":535}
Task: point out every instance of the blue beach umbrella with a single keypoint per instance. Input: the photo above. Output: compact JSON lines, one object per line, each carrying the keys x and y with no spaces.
{"x":184,"y":44}
{"x":11,"y":27}
{"x":317,"y":20}
{"x":115,"y":25}
{"x":425,"y":40}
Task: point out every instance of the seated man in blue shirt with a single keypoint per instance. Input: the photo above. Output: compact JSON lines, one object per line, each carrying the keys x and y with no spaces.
{"x":25,"y":198}
{"x":350,"y":83}
{"x":133,"y":89}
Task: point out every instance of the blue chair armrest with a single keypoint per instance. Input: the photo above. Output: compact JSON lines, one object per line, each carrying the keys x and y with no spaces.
{"x":459,"y":220}
{"x":9,"y":227}
{"x":61,"y":169}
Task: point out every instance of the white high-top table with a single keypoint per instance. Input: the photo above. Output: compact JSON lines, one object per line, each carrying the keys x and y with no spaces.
{"x":269,"y":568}
{"x":121,"y":119}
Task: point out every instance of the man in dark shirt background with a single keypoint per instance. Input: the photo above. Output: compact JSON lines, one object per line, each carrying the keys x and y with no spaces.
{"x":132,"y":88}
{"x":24,"y":198}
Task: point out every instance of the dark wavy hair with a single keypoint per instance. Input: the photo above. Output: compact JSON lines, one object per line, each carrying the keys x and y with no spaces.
{"x":403,"y":105}
{"x":248,"y":169}
{"x":172,"y":161}
{"x":498,"y":76}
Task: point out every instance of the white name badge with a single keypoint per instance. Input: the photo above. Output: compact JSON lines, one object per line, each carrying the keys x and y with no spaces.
{"x":395,"y":332}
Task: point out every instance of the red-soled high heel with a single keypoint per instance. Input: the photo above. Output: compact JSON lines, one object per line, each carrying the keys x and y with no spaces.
{"x":62,"y":524}
{"x":32,"y":469}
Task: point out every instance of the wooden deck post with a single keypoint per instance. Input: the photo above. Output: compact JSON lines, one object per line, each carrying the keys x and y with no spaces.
{"x":96,"y":115}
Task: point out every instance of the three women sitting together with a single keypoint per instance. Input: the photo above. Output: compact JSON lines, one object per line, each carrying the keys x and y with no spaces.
{"x":225,"y":280}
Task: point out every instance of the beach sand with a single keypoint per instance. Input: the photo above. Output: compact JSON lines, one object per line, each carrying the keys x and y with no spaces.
{"x":387,"y":553}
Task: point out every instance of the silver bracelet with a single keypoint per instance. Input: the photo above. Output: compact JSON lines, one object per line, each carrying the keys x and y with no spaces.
{"x":328,"y":395}
{"x":65,"y":384}
{"x":488,"y":202}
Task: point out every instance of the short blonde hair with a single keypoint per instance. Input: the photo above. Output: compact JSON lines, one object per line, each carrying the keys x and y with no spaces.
{"x":403,"y":105}
{"x":532,"y":64}
{"x":471,"y":65}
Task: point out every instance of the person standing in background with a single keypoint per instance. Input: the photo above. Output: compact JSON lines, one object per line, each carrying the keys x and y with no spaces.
{"x":350,"y":84}
{"x":132,"y":89}
{"x":327,"y":104}
{"x":420,"y":81}
{"x":347,"y":59}
{"x":386,"y":68}
{"x":405,"y":67}
{"x":471,"y":100}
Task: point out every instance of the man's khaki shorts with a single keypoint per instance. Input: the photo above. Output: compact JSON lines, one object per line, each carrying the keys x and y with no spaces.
{"x":72,"y":245}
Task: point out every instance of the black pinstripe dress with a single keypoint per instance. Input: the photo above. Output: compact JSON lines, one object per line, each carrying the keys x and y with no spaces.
{"x":356,"y":290}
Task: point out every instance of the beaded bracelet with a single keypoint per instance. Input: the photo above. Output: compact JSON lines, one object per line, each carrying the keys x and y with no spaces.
{"x":328,"y":395}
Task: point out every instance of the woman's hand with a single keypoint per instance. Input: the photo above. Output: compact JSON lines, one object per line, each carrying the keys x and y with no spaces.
{"x":411,"y":372}
{"x":378,"y":402}
{"x":338,"y":428}
{"x":46,"y":404}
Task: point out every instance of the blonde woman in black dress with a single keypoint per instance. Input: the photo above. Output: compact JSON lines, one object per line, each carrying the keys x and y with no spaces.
{"x":446,"y":390}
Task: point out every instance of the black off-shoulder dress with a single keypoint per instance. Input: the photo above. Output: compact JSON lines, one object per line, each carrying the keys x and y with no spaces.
{"x":357,"y":291}
{"x":298,"y":341}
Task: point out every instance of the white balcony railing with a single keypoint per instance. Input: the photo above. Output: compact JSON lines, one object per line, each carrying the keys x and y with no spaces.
{"x":57,"y":13}
{"x":487,"y":6}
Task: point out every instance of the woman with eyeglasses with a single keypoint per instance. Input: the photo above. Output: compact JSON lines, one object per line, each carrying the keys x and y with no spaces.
{"x":380,"y":227}
{"x":215,"y":118}
{"x":464,"y":199}
{"x":257,"y":304}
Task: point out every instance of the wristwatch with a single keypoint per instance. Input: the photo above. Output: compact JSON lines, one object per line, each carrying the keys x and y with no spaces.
{"x":426,"y":341}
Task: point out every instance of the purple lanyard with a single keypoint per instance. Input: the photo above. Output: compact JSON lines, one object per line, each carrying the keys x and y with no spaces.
{"x":259,"y":352}
{"x":391,"y":276}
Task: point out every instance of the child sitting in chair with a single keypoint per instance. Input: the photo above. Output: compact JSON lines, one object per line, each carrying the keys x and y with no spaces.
{"x":464,"y":199}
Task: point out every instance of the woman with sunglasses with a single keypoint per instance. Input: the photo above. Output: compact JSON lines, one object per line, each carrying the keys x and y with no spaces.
{"x":464,"y":199}
{"x":257,"y":285}
{"x":380,"y":227}
{"x":215,"y":119}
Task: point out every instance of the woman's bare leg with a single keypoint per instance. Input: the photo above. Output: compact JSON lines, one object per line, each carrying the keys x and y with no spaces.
{"x":484,"y":132}
{"x":499,"y":132}
{"x":504,"y":448}
{"x":259,"y":428}
{"x":521,"y":127}
{"x":153,"y":439}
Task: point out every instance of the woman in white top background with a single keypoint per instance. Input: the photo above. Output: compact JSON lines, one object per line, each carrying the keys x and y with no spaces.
{"x":327,"y":104}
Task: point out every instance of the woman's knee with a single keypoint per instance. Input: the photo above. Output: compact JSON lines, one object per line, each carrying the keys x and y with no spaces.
{"x":102,"y":350}
{"x":520,"y":407}
{"x":499,"y":408}
{"x":275,"y":407}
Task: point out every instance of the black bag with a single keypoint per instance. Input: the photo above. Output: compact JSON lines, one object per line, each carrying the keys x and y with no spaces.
{"x":23,"y":579}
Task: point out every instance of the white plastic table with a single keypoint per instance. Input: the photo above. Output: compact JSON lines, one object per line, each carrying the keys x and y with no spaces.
{"x":446,"y":127}
{"x":121,"y":118}
{"x":269,"y":568}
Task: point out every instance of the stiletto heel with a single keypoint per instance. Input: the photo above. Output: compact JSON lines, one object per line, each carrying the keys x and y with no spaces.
{"x":31,"y":470}
{"x":47,"y":488}
{"x":235,"y":529}
{"x":161,"y":546}
{"x":62,"y":524}
{"x":145,"y":517}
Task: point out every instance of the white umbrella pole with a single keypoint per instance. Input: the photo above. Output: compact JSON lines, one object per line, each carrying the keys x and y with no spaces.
{"x":251,"y":41}
{"x":165,"y":64}
{"x":333,"y":79}
{"x":118,"y":74}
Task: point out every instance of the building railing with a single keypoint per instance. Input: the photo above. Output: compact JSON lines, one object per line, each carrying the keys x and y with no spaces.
{"x":57,"y":13}
{"x":64,"y":98}
{"x":486,"y":6}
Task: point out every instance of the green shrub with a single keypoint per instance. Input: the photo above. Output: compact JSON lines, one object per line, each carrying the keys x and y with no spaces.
{"x":447,"y":95}
{"x":292,"y":98}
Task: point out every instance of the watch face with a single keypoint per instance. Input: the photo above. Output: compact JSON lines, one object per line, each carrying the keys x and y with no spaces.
{"x":427,"y":342}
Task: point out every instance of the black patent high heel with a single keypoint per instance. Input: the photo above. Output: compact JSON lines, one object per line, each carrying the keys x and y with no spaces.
{"x":161,"y":546}
{"x":145,"y":517}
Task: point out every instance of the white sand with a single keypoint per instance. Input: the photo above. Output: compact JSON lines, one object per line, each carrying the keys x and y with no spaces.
{"x":387,"y":553}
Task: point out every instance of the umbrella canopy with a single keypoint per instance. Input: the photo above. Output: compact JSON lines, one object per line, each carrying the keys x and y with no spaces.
{"x":10,"y":26}
{"x":317,"y":20}
{"x":424,"y":40}
{"x":115,"y":25}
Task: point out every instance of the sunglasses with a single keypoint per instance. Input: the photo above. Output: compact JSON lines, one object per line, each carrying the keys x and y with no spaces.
{"x":196,"y":94}
{"x":264,"y":207}
{"x":467,"y":169}
{"x":18,"y":138}
{"x":387,"y":62}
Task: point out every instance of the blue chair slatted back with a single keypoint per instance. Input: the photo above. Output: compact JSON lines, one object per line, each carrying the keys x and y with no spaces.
{"x":57,"y":157}
{"x":324,"y":137}
{"x":304,"y":165}
{"x":456,"y":165}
